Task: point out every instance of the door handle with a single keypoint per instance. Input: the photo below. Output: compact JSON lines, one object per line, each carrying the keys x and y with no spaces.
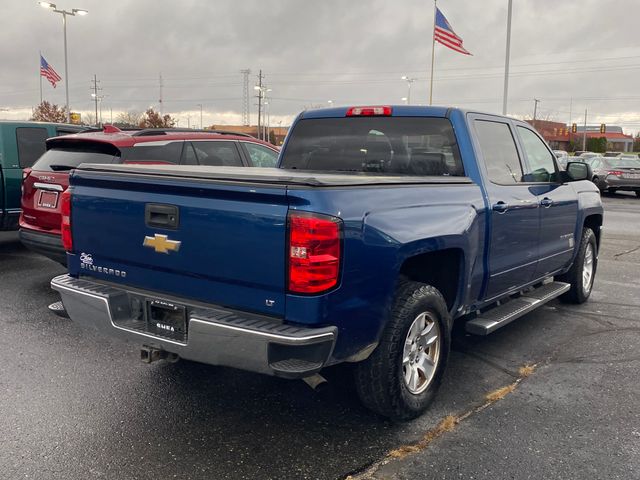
{"x":500,"y":207}
{"x":161,"y":216}
{"x":546,"y":202}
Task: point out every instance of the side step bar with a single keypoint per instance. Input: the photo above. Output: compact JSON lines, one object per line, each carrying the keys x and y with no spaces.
{"x":497,"y":317}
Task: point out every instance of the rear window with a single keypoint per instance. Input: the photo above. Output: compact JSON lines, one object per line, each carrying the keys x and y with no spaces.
{"x":625,"y":162}
{"x":60,"y":159}
{"x":31,"y":144}
{"x":374,"y":145}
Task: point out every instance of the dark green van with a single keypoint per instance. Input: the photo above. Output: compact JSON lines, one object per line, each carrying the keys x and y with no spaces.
{"x":21,"y":144}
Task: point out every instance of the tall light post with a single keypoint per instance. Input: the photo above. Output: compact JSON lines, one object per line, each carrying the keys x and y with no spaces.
{"x":262,"y":94}
{"x":64,"y":13}
{"x":409,"y":82}
{"x":201,"y":124}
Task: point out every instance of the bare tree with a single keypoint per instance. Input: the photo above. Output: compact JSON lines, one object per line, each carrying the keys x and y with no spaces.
{"x":49,"y":112}
{"x":152,"y":119}
{"x":128,"y":119}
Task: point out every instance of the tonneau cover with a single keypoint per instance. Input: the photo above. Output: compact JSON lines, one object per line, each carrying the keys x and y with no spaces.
{"x":271,"y":175}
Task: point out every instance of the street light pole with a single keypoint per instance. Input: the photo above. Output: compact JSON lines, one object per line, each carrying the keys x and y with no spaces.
{"x":505,"y":94}
{"x":64,"y":13}
{"x":409,"y":82}
{"x":200,"y":105}
{"x":66,"y":64}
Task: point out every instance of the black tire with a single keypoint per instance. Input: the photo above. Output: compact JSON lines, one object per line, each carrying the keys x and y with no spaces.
{"x":380,"y":379}
{"x":638,"y":193}
{"x":612,"y":190}
{"x":578,"y":293}
{"x":596,"y":182}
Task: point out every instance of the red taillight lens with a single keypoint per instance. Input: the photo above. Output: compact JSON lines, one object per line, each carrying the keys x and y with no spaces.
{"x":369,"y":111}
{"x":65,"y":226}
{"x":315,"y":248}
{"x":617,"y":173}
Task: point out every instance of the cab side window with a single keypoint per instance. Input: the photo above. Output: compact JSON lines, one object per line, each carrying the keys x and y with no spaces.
{"x":541,"y":168}
{"x":31,"y":144}
{"x":499,"y":152}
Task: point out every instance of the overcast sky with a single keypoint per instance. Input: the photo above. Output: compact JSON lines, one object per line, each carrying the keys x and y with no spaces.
{"x":310,"y":51}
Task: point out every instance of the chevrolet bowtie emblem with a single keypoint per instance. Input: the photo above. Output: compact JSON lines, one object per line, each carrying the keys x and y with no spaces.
{"x":161,"y":243}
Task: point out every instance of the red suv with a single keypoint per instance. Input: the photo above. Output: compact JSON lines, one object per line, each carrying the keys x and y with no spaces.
{"x":49,"y":176}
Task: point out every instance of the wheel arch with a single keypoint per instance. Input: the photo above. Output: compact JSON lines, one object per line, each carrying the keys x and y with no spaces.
{"x":442,"y":269}
{"x":594,"y":222}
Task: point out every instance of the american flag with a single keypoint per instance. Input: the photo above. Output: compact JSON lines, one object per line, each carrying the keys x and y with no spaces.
{"x":444,"y":34}
{"x":48,"y":72}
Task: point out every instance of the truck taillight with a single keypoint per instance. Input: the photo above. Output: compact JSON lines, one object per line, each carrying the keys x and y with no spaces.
{"x":315,"y":248}
{"x":65,"y":226}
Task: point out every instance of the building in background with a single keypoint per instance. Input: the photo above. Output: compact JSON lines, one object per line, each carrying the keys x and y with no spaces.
{"x":617,"y":140}
{"x":559,"y":136}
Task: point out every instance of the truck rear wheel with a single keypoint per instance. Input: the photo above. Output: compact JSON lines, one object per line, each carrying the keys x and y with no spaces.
{"x":400,"y":378}
{"x":583,"y":271}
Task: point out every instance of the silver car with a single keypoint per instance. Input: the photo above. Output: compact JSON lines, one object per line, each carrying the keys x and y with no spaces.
{"x":611,"y":174}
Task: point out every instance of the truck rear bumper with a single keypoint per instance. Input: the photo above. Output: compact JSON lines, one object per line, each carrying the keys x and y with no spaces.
{"x":215,"y":335}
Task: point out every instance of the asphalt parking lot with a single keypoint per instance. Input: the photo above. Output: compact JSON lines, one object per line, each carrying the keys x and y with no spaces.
{"x":77,"y":407}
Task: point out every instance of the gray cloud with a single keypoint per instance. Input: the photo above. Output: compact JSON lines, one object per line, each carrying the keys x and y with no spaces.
{"x":310,"y":52}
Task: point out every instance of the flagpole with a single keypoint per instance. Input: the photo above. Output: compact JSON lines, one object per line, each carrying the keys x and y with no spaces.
{"x":506,"y":61}
{"x":433,"y":50}
{"x":40,"y":74}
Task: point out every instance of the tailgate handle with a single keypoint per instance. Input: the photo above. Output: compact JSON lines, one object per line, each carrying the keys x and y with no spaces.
{"x":161,"y":216}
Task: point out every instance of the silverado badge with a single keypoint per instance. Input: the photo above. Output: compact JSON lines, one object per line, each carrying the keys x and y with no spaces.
{"x":161,"y":243}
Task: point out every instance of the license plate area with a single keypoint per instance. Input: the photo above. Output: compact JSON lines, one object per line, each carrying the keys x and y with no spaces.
{"x":166,"y":320}
{"x":634,"y":176}
{"x":48,"y":199}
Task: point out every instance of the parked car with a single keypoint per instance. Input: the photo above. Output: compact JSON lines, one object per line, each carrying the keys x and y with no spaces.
{"x":49,"y":176}
{"x":611,"y":154}
{"x":616,"y":173}
{"x":562,"y":156}
{"x":577,"y":153}
{"x":586,"y":155}
{"x":363,"y":247}
{"x":629,"y":155}
{"x":21,"y":144}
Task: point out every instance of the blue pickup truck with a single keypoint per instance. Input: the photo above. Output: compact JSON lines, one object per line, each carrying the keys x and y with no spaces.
{"x":380,"y":227}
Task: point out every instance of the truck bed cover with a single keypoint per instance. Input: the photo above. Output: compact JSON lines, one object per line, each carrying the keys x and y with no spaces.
{"x":273,"y":176}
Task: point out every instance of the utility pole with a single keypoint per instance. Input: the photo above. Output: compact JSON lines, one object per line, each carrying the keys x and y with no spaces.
{"x":570,"y":109}
{"x":160,"y":99}
{"x":245,"y":96}
{"x":259,"y":88}
{"x":96,"y":97}
{"x":535,"y":109}
{"x":584,"y":133}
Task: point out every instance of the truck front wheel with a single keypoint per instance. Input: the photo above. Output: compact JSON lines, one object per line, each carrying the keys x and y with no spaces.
{"x":583,"y":271}
{"x":400,"y":378}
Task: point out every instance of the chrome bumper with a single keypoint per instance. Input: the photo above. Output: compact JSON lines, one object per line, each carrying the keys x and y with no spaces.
{"x":216,"y":336}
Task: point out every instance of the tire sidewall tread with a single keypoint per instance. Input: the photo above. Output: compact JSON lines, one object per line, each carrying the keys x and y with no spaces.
{"x":379,"y":379}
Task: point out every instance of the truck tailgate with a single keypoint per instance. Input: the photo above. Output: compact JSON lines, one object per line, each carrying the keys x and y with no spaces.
{"x":231,"y":248}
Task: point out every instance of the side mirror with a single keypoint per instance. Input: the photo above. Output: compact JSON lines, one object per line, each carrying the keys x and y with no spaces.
{"x":578,"y":171}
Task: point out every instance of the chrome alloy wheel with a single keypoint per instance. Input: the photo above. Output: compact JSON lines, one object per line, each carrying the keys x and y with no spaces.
{"x":587,"y":268}
{"x":421,"y":353}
